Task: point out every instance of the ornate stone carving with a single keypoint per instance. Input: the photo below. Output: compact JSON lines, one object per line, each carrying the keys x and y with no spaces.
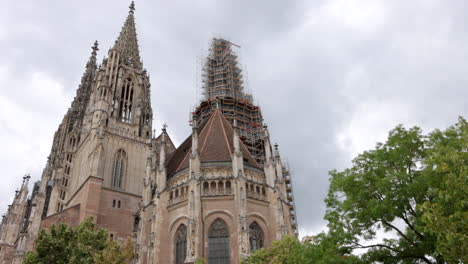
{"x":211,"y":173}
{"x":193,"y":226}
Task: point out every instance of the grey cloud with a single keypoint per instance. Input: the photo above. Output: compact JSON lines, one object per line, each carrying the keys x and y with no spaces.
{"x":309,"y":66}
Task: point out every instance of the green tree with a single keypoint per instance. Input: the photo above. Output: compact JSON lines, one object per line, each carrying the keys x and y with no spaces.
{"x":446,"y":216}
{"x":115,"y":254}
{"x":83,"y":244}
{"x":200,"y":261}
{"x":320,"y":249}
{"x":411,"y":190}
{"x":384,"y":192}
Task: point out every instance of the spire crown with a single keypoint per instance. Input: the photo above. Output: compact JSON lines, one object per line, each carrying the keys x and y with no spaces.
{"x":95,"y":48}
{"x":127,"y":42}
{"x":132,"y":7}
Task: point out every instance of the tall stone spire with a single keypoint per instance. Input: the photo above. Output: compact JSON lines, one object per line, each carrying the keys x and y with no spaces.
{"x":73,"y":119}
{"x":127,"y":42}
{"x":122,"y":86}
{"x":84,"y":90}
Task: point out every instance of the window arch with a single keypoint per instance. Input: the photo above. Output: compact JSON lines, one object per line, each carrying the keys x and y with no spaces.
{"x":118,"y":169}
{"x":72,"y":142}
{"x":218,"y":243}
{"x":181,"y":244}
{"x":255,"y":237}
{"x":126,"y":99}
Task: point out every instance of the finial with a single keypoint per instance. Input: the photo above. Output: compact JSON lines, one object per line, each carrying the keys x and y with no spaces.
{"x":26,"y":178}
{"x":132,"y":7}
{"x":164,"y":127}
{"x":276,"y":150}
{"x":95,"y":47}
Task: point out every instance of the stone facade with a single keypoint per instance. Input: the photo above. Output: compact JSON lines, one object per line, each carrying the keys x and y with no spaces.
{"x":209,"y":198}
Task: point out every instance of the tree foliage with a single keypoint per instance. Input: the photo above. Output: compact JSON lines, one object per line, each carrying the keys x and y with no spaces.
{"x":446,"y":216}
{"x":317,"y":250}
{"x":406,"y":201}
{"x":200,"y":261}
{"x":115,"y":254}
{"x":83,"y":244}
{"x":406,"y":186}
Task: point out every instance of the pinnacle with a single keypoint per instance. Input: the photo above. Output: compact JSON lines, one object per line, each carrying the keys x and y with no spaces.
{"x":95,"y":48}
{"x":132,"y":7}
{"x":127,"y":42}
{"x":91,"y":64}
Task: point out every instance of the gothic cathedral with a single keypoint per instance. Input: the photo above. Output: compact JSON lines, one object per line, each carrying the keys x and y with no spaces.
{"x":223,"y":193}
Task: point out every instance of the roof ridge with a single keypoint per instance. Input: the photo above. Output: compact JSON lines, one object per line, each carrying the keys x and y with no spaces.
{"x":224,"y":132}
{"x":242,"y":143}
{"x":208,"y":123}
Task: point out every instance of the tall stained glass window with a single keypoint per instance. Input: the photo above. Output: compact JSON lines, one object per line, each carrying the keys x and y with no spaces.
{"x":255,"y":237}
{"x":218,"y":243}
{"x":181,"y":244}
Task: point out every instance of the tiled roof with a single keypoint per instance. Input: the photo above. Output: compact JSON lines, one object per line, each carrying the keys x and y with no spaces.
{"x":215,"y":144}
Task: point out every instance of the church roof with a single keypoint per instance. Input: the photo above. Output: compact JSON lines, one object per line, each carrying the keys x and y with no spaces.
{"x":215,"y":144}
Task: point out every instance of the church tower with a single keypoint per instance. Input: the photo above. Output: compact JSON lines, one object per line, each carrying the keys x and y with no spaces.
{"x":224,"y":192}
{"x":223,"y":88}
{"x":98,"y":159}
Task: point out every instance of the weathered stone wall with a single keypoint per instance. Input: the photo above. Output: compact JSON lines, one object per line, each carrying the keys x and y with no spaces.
{"x":70,"y":216}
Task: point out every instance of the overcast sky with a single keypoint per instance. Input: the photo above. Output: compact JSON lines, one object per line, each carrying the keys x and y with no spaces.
{"x":332,"y":77}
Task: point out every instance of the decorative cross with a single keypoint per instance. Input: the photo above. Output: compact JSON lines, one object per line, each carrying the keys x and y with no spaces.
{"x":132,"y":7}
{"x":164,"y":126}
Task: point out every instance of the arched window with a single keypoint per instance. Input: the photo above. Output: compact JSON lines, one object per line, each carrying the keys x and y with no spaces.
{"x":72,"y":142}
{"x":181,"y":244}
{"x":255,"y":237}
{"x":228,"y":187}
{"x":126,"y":99}
{"x":118,"y":169}
{"x":218,"y":243}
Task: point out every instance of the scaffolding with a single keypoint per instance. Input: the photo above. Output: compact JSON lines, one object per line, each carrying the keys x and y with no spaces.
{"x":223,"y":89}
{"x":290,"y":196}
